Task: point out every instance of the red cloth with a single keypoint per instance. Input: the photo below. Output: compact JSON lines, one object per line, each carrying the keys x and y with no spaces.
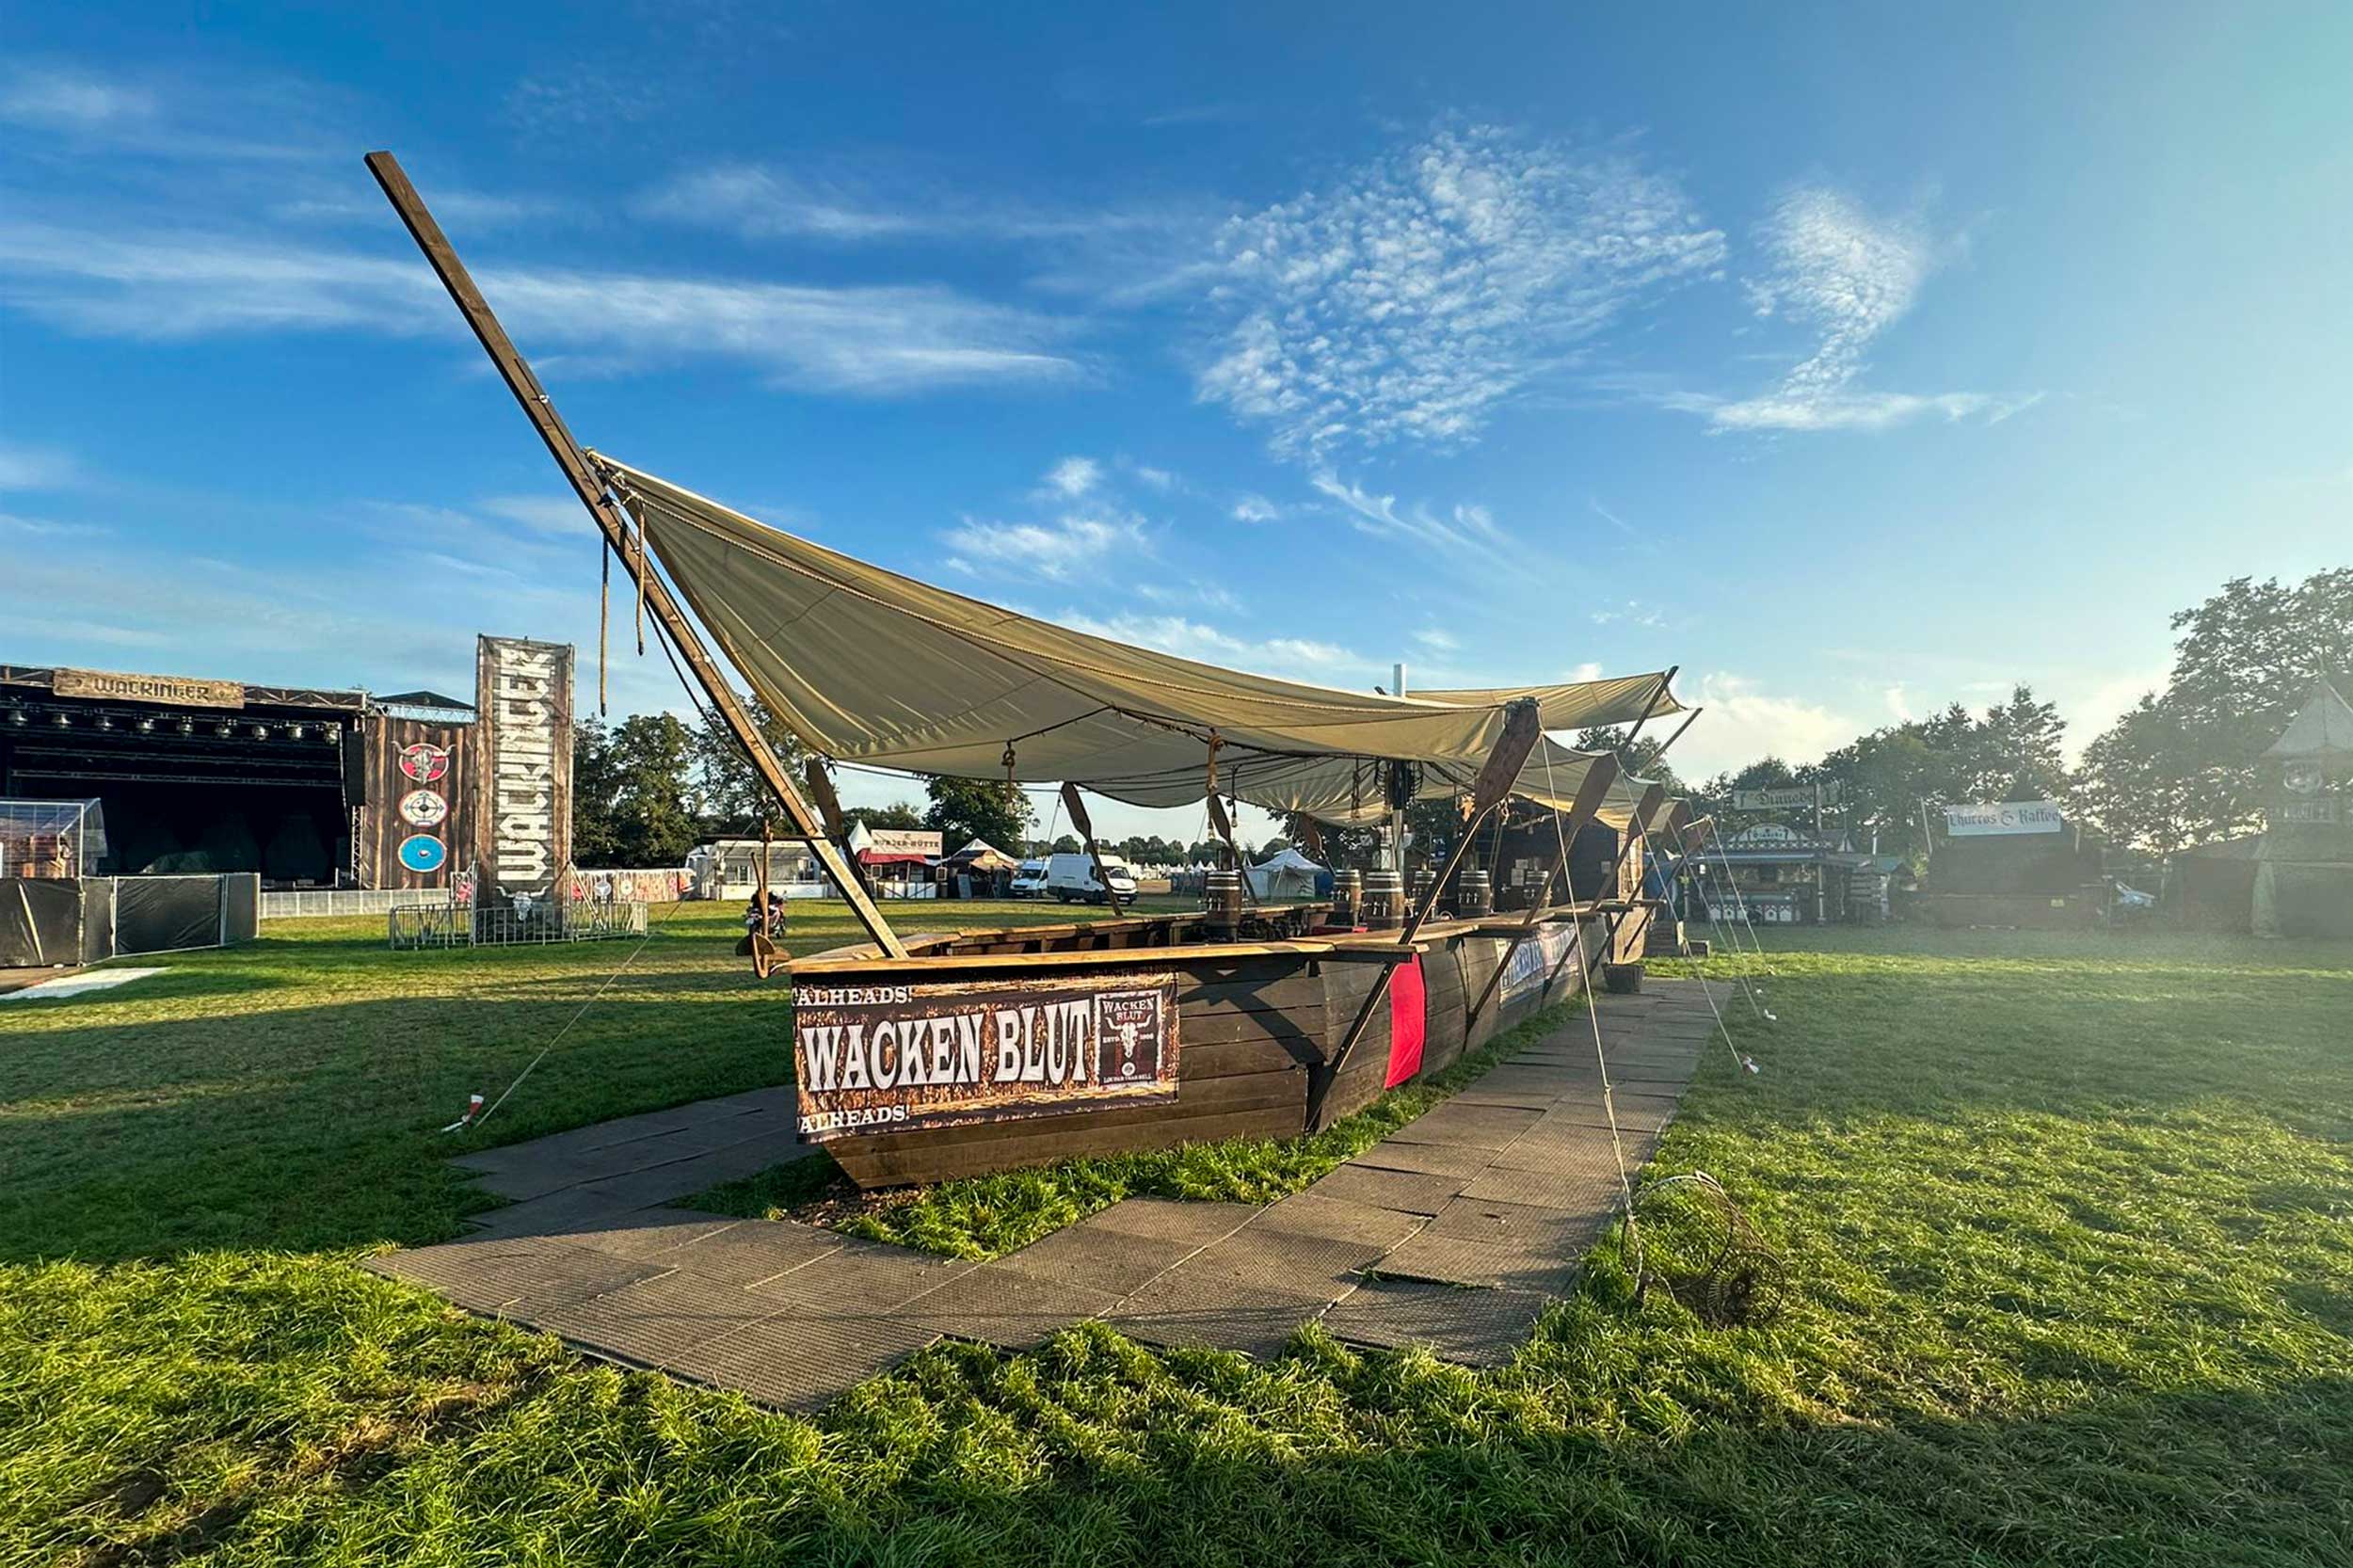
{"x":1407,"y":998}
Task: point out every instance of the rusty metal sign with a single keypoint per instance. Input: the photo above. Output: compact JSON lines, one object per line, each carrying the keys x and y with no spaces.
{"x":889,"y":1058}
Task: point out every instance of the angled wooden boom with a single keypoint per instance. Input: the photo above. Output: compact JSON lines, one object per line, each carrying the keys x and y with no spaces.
{"x":574,"y":462}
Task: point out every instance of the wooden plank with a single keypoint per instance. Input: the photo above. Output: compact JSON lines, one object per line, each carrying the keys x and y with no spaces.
{"x":1231,"y":1057}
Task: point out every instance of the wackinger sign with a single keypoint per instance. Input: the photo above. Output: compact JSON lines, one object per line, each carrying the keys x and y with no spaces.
{"x":524,"y":697}
{"x":884,"y":1058}
{"x":178,"y":689}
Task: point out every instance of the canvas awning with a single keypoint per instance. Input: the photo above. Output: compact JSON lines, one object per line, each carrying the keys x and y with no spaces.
{"x":867,"y":666}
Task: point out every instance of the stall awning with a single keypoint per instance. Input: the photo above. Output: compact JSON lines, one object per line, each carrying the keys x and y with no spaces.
{"x":867,"y":666}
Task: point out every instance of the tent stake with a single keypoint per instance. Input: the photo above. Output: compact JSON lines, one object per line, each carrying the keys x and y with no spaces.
{"x":585,"y":483}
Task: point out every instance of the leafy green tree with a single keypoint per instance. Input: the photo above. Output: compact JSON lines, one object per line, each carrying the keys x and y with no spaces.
{"x":1069,"y":843}
{"x":2180,"y":767}
{"x":632,"y":792}
{"x":732,"y":798}
{"x":899,"y":814}
{"x":1642,"y":758}
{"x":967,"y":809}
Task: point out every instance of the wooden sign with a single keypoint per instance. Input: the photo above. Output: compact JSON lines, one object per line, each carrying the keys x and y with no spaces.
{"x":523,"y":693}
{"x":884,"y":1058}
{"x":177,"y":690}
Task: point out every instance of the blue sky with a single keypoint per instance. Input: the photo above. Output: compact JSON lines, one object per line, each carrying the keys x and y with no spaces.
{"x":1857,"y":361}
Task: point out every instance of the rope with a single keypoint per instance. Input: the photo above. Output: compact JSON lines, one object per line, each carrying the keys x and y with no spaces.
{"x":577,"y":1013}
{"x":1722,"y":1027}
{"x":1741,"y":904}
{"x":1593,"y":1014}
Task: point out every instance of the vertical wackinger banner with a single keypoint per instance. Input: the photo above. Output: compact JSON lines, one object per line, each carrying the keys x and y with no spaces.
{"x":523,"y":766}
{"x":884,"y":1057}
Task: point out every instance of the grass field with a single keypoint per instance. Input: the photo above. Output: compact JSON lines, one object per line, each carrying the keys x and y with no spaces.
{"x":2070,"y":1222}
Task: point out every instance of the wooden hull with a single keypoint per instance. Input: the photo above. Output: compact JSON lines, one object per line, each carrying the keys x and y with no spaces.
{"x":1258,"y":1026}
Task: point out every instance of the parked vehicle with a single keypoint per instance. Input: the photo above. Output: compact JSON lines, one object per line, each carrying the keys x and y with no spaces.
{"x":1028,"y":880}
{"x":1071,"y":878}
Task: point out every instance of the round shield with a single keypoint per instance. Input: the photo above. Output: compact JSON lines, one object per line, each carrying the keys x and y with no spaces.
{"x":2303,"y":778}
{"x":424,"y":763}
{"x":423,"y":852}
{"x":423,"y":808}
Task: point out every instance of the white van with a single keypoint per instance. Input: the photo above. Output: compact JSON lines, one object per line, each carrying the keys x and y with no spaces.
{"x":1028,"y":880}
{"x":1071,"y":877}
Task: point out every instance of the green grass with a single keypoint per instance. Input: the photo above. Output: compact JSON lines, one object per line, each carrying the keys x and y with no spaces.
{"x":987,"y":1216}
{"x":2070,"y":1224}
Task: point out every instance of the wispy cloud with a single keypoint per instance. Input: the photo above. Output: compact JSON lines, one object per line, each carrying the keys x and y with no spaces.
{"x":1846,"y":275}
{"x":1060,"y":549}
{"x":1256,"y":508}
{"x":1465,"y":529}
{"x":1408,"y":300}
{"x":1744,"y":722}
{"x":36,"y":468}
{"x":86,"y":110}
{"x":1074,"y":476}
{"x":1631,"y":612}
{"x":870,"y":340}
{"x":1436,"y":640}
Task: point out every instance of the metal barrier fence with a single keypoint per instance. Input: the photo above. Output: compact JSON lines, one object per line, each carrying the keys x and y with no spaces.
{"x":461,"y":925}
{"x":304,"y":902}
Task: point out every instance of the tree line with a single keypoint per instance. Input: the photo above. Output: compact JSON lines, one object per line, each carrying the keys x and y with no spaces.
{"x":2177,"y":768}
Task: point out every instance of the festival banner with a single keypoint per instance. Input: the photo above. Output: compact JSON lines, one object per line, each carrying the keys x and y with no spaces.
{"x":1534,"y":960}
{"x":2018,"y":816}
{"x":523,"y":695}
{"x":886,"y":1058}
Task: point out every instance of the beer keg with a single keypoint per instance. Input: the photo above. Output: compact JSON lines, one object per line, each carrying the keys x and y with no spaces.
{"x":1384,"y":900}
{"x":1474,"y":895}
{"x":1222,"y":900}
{"x":1348,"y":896}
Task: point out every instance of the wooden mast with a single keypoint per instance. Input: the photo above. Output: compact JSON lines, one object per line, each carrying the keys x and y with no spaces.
{"x":591,"y":490}
{"x":1599,"y":779}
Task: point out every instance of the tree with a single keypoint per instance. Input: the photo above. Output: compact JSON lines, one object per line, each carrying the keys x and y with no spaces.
{"x":1642,"y":758}
{"x":967,"y":809}
{"x":630,"y":791}
{"x":2180,"y":767}
{"x":732,"y":798}
{"x":1069,"y":843}
{"x":898,"y":814}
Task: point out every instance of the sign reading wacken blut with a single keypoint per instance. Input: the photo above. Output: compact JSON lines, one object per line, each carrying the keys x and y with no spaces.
{"x":884,"y":1058}
{"x":523,"y":785}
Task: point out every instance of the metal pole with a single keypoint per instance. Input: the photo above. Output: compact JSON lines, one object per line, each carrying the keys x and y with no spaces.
{"x":589,"y":485}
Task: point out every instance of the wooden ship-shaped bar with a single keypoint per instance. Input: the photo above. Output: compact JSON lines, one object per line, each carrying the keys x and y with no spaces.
{"x":920,"y":1057}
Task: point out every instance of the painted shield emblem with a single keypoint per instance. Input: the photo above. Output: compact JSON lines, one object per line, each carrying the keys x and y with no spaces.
{"x":423,"y":852}
{"x":422,"y":808}
{"x":2303,"y":778}
{"x":424,"y":762}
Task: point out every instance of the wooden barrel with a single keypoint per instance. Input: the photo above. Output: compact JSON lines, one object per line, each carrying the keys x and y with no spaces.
{"x":1474,"y":895}
{"x":1222,"y":900}
{"x":1384,"y":900}
{"x":1348,"y":896}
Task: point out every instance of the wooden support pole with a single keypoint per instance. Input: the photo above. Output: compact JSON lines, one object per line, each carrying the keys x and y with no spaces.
{"x":590,"y":486}
{"x":829,"y":805}
{"x":1080,"y":820}
{"x":1599,"y":779}
{"x":1523,"y":730}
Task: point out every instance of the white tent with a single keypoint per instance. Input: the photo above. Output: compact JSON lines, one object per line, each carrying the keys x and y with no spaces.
{"x":1286,"y":874}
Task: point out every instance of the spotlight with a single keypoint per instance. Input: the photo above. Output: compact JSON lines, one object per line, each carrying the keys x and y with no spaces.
{"x":62,"y":722}
{"x":147,"y":727}
{"x":224,"y":730}
{"x":188,"y":726}
{"x":105,"y":723}
{"x":261,"y":732}
{"x":16,"y":716}
{"x":294,"y":732}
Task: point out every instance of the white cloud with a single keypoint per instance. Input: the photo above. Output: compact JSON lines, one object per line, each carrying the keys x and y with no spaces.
{"x":1441,"y":642}
{"x":1631,"y":612}
{"x":1408,"y":300}
{"x":1059,"y":550}
{"x":1467,"y":529}
{"x":541,"y":514}
{"x":1846,"y":275}
{"x":1156,"y":478}
{"x":1743,"y":724}
{"x":11,"y":522}
{"x":84,"y":110}
{"x":1074,"y":476}
{"x":36,"y":468}
{"x":873,"y":341}
{"x":1256,"y":508}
